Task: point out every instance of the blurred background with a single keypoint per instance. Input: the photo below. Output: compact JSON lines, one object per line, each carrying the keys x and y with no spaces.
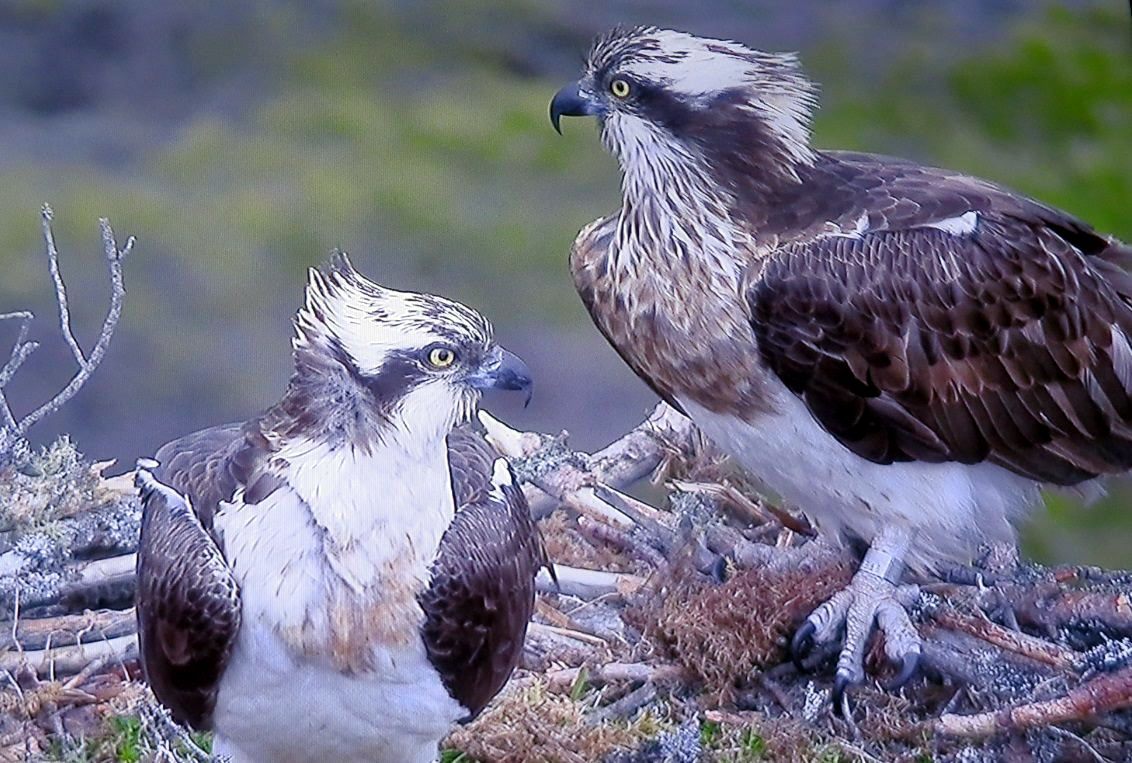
{"x":241,"y":142}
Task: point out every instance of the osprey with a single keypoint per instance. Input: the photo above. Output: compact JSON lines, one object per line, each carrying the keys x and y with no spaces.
{"x":906,"y":353}
{"x":345,"y":575}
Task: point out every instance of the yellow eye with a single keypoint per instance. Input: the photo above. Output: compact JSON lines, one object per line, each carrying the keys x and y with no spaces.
{"x":441,"y":357}
{"x":619,"y":88}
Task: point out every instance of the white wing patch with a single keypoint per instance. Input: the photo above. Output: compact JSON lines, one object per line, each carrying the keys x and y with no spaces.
{"x":500,"y":478}
{"x":860,"y":228}
{"x":964,"y":225}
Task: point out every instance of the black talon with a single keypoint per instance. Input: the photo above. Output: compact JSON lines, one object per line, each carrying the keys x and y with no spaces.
{"x":801,"y":644}
{"x":908,"y":669}
{"x":839,"y":698}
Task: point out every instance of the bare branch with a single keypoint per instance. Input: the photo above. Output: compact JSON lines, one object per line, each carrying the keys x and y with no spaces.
{"x":20,"y":351}
{"x":87,"y":365}
{"x":47,"y":216}
{"x":1104,"y":693}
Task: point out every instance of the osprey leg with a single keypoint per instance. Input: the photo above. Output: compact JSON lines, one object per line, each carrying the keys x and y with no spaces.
{"x":874,"y":596}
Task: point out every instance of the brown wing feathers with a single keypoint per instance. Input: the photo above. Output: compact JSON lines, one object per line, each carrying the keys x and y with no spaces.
{"x":1008,"y":344}
{"x":477,"y":606}
{"x":482,"y":591}
{"x":188,"y":605}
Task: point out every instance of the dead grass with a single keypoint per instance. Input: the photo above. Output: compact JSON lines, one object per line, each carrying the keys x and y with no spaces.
{"x":530,"y":723}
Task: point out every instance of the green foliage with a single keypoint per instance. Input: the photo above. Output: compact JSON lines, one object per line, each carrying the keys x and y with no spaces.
{"x":126,"y":738}
{"x":752,"y":745}
{"x":580,"y":686}
{"x":1046,"y":112}
{"x":710,"y":733}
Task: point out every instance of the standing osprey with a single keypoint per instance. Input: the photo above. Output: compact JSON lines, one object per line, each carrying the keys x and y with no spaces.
{"x":907,"y":354}
{"x":346,"y":575}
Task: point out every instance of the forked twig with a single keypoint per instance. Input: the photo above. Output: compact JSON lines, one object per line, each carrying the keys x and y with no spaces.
{"x":87,"y":364}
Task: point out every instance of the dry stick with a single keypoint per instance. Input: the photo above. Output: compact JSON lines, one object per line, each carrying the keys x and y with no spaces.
{"x":615,"y":536}
{"x":614,"y":671}
{"x":626,"y":706}
{"x":1111,"y":691}
{"x":750,"y":509}
{"x":102,"y":572}
{"x":1012,"y":641}
{"x":34,"y":632}
{"x":587,"y":584}
{"x":87,"y":365}
{"x":68,"y":660}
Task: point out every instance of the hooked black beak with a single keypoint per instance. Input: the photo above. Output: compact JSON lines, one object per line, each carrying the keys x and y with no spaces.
{"x":569,"y":102}
{"x":503,"y":370}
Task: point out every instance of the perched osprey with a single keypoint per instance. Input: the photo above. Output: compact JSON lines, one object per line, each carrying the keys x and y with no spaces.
{"x":344,"y":576}
{"x":906,"y":353}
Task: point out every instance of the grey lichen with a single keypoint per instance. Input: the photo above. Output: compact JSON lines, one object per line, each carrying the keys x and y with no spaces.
{"x":552,"y":456}
{"x":14,"y":451}
{"x":40,"y":487}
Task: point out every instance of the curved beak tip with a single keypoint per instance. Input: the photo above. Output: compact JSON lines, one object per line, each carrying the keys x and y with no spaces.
{"x":569,"y":102}
{"x":507,"y":372}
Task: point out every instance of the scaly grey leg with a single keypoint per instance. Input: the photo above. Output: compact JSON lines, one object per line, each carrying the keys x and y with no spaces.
{"x":873,"y":596}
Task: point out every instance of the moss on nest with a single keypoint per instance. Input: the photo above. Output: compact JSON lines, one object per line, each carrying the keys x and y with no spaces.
{"x":723,"y":633}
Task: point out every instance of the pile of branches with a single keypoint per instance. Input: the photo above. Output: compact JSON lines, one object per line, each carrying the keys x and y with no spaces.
{"x":664,"y":637}
{"x":666,"y":633}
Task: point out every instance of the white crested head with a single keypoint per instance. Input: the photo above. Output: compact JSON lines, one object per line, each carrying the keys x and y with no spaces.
{"x":370,"y":322}
{"x":372,"y":362}
{"x":663,"y":95}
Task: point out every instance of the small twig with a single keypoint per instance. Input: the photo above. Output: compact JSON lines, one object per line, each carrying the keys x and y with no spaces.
{"x":570,"y":633}
{"x":626,"y":706}
{"x":1058,"y":731}
{"x":20,"y":351}
{"x":47,"y":216}
{"x":89,"y":670}
{"x":613,"y":672}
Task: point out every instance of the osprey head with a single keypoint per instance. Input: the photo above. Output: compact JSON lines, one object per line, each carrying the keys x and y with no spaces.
{"x":377,"y":357}
{"x":666,"y":97}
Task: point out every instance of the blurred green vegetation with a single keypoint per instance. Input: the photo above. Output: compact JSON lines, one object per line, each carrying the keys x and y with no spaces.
{"x":424,"y":149}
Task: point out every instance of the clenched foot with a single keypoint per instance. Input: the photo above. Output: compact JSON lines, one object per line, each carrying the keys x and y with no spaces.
{"x":869,"y":599}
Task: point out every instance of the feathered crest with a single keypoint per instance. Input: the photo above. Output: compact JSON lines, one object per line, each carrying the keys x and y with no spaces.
{"x":344,"y":311}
